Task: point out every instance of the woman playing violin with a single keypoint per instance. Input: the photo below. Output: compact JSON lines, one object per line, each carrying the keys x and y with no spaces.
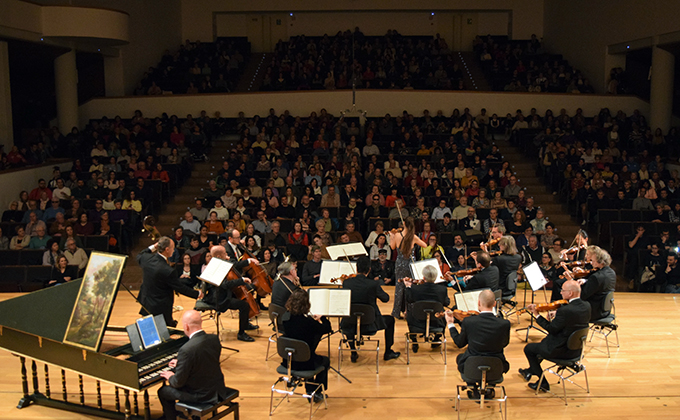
{"x":404,"y":242}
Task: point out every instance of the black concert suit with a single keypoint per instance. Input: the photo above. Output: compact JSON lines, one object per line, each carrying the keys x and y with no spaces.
{"x":310,"y":269}
{"x":307,"y":329}
{"x":160,"y":281}
{"x":506,"y":264}
{"x":365,"y":290}
{"x":198,"y":376}
{"x":281,"y":293}
{"x":485,"y":279}
{"x":426,"y":291}
{"x":484,"y":335}
{"x":568,"y":318}
{"x":225,"y":300}
{"x":595,"y":289}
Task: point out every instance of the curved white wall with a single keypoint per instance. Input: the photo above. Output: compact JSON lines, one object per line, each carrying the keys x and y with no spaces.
{"x":85,"y":22}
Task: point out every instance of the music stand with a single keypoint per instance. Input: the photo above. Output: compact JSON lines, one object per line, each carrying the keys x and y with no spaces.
{"x":215,"y":273}
{"x":418,"y":266}
{"x":534,"y":276}
{"x":334,"y":269}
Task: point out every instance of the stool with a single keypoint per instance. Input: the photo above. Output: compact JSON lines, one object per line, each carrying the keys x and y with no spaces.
{"x":206,"y":411}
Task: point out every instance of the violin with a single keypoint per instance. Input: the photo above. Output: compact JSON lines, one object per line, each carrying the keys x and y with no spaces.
{"x":579,"y":273}
{"x":495,"y":253}
{"x":467,"y":272}
{"x":574,"y":249}
{"x":396,"y":230}
{"x":343,"y":277}
{"x":546,"y":307}
{"x":493,"y":242}
{"x":458,"y":314}
{"x":414,"y":281}
{"x":572,"y":264}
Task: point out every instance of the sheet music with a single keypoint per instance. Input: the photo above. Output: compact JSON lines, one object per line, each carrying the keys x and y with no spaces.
{"x":330,"y":302}
{"x":534,"y":276}
{"x":216,"y":271}
{"x":467,"y":301}
{"x":351,"y":250}
{"x":418,"y":266}
{"x":334,"y":269}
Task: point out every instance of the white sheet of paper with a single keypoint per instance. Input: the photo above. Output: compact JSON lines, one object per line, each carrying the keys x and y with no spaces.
{"x":417,"y":269}
{"x":534,"y":276}
{"x":339,"y":251}
{"x":333,"y":269}
{"x":216,"y":271}
{"x":330,"y":302}
{"x":467,"y":301}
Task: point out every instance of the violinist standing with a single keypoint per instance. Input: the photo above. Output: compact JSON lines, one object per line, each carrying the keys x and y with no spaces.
{"x":403,"y":242}
{"x":483,"y":334}
{"x":567,"y":319}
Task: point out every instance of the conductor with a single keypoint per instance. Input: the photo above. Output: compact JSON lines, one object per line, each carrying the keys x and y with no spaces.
{"x":160,"y":281}
{"x":197,"y":376}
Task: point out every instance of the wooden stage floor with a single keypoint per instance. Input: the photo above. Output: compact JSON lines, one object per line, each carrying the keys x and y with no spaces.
{"x":641,"y":379}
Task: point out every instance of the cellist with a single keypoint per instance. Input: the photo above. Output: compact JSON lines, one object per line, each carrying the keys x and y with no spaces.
{"x":225,"y":298}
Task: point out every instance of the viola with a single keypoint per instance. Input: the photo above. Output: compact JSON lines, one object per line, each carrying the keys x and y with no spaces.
{"x":546,"y":307}
{"x":343,"y":278}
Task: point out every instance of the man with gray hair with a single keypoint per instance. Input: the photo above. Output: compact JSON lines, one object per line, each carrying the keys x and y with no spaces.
{"x":287,"y":283}
{"x":431,"y":291}
{"x":75,"y":255}
{"x":156,"y":294}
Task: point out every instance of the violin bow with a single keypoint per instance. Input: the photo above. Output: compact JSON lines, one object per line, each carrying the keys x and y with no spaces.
{"x":455,"y":280}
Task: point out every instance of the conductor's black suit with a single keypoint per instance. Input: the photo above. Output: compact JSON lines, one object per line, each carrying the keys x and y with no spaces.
{"x":198,"y":376}
{"x":160,"y":281}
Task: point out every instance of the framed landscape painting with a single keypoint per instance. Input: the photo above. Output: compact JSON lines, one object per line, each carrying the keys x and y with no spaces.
{"x":95,"y":300}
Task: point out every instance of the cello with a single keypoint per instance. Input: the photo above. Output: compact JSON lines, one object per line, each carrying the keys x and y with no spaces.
{"x":242,"y":293}
{"x":261,"y":280}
